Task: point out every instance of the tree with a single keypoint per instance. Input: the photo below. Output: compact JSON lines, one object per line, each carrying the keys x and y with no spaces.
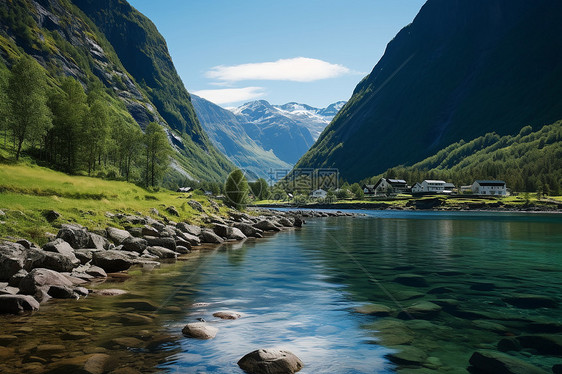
{"x":29,"y":116}
{"x":69,"y":108}
{"x":95,"y":134}
{"x":128,"y":145}
{"x":157,"y":152}
{"x":260,"y":189}
{"x":236,"y":190}
{"x":357,"y":191}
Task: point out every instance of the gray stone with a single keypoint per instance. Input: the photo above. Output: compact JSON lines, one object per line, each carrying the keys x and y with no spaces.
{"x":547,"y":344}
{"x":189,"y":229}
{"x":208,"y":236}
{"x":62,"y":292}
{"x":374,"y":310}
{"x":149,"y":231}
{"x":76,"y":236}
{"x":172,"y":211}
{"x":117,"y":235}
{"x":191,"y":239}
{"x":97,"y":241}
{"x":162,"y":252}
{"x":135,"y":231}
{"x":227,"y":315}
{"x":165,"y":242}
{"x":112,"y":261}
{"x":266,"y":225}
{"x":51,"y":215}
{"x":249,"y":230}
{"x":134,"y":244}
{"x":16,"y":304}
{"x":39,"y":280}
{"x":287,"y":222}
{"x":196,"y":205}
{"x":182,"y":250}
{"x":499,"y":363}
{"x":199,"y":330}
{"x":50,"y":260}
{"x":96,"y":271}
{"x":509,"y":344}
{"x":228,"y":232}
{"x":270,"y":361}
{"x":62,"y":247}
{"x":25,"y":243}
{"x":17,"y":277}
{"x":12,"y":259}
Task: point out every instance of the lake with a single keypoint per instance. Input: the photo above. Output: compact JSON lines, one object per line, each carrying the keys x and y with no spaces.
{"x":488,"y":277}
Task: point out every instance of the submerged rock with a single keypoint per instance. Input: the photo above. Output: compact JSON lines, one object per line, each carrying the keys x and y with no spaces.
{"x":407,"y":355}
{"x":422,"y":310}
{"x":41,"y":279}
{"x":374,"y":310}
{"x":528,"y":301}
{"x":548,"y":344}
{"x":498,"y":363}
{"x":227,"y":315}
{"x":412,"y":280}
{"x":200,"y":330}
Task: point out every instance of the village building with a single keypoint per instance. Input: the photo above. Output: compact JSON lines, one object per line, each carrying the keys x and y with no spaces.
{"x":389,"y":186}
{"x":184,"y":189}
{"x":489,"y":187}
{"x":369,"y":190}
{"x":431,"y":186}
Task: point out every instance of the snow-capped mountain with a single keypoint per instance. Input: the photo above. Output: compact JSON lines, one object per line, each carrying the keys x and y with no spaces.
{"x":260,"y":136}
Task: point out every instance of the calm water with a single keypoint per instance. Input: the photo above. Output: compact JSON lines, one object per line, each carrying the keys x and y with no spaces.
{"x":299,"y":290}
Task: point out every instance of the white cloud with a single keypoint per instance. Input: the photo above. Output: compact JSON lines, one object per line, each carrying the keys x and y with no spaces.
{"x":231,"y":95}
{"x":299,"y":69}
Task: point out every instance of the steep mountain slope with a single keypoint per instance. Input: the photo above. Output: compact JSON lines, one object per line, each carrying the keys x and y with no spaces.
{"x":230,"y":137}
{"x":67,"y":42}
{"x":314,"y":119}
{"x":461,"y":69}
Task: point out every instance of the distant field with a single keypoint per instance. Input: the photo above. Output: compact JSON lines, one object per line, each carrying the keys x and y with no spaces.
{"x":27,"y":191}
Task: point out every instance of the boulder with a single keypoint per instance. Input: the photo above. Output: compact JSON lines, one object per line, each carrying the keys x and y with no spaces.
{"x":16,"y":278}
{"x":298,"y":222}
{"x":25,"y":243}
{"x":374,"y":310}
{"x":249,"y":230}
{"x":51,"y":215}
{"x":196,"y":205}
{"x":117,"y":235}
{"x":189,"y":229}
{"x":112,"y":261}
{"x":499,"y":363}
{"x":12,"y":259}
{"x":62,"y":247}
{"x":97,"y":241}
{"x":76,"y":236}
{"x":287,"y":222}
{"x":228,"y":232}
{"x":50,"y":260}
{"x":509,"y":344}
{"x":191,"y":239}
{"x":172,"y":211}
{"x":199,"y":330}
{"x":227,"y":315}
{"x":528,"y":301}
{"x":162,"y":252}
{"x":407,"y":355}
{"x":16,"y":304}
{"x":62,"y":292}
{"x":546,"y":344}
{"x":39,"y":280}
{"x":182,"y":250}
{"x":149,"y":231}
{"x":412,"y":280}
{"x":270,"y":361}
{"x":208,"y":236}
{"x":96,"y":272}
{"x":134,"y":244}
{"x":421,"y":310}
{"x":166,"y":242}
{"x":266,"y":225}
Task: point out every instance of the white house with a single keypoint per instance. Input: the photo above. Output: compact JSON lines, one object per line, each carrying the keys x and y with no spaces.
{"x":492,"y":188}
{"x":388,"y":186}
{"x":430,"y":186}
{"x":320,"y":193}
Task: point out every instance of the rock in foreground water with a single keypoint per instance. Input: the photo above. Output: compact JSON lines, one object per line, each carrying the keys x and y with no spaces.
{"x":270,"y":361}
{"x":199,"y":330}
{"x":499,"y":363}
{"x":16,"y":304}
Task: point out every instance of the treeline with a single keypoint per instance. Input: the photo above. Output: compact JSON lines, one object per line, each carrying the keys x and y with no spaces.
{"x":75,"y":130}
{"x":530,"y":161}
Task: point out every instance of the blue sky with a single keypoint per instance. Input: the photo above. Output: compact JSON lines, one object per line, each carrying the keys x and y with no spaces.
{"x":309,"y":51}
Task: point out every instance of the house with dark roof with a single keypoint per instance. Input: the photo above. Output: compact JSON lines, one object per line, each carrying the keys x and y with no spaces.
{"x":390,"y":186}
{"x":489,"y":188}
{"x":369,"y":189}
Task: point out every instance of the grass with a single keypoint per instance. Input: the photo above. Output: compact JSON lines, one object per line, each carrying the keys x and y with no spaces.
{"x":27,"y":191}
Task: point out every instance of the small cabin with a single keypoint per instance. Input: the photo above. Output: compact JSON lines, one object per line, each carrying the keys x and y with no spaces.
{"x":431,"y":186}
{"x":369,"y":189}
{"x":390,"y":186}
{"x":184,"y":189}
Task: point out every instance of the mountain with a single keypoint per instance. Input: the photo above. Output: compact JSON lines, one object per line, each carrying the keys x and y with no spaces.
{"x":228,"y":134}
{"x":111,"y":44}
{"x":461,"y":69}
{"x":314,"y":119}
{"x":529,"y":161}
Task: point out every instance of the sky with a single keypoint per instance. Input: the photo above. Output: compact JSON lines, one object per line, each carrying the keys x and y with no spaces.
{"x":308,"y":51}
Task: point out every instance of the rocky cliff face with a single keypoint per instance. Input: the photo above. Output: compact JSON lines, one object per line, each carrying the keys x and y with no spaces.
{"x":463,"y":68}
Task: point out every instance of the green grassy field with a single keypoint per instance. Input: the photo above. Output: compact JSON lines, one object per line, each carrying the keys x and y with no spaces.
{"x":27,"y":191}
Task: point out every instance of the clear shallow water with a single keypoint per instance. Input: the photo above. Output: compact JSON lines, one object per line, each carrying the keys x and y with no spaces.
{"x":299,"y":289}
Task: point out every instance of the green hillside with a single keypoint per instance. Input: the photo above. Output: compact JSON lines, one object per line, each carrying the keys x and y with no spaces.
{"x":461,"y":69}
{"x":529,"y":161}
{"x":67,"y":43}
